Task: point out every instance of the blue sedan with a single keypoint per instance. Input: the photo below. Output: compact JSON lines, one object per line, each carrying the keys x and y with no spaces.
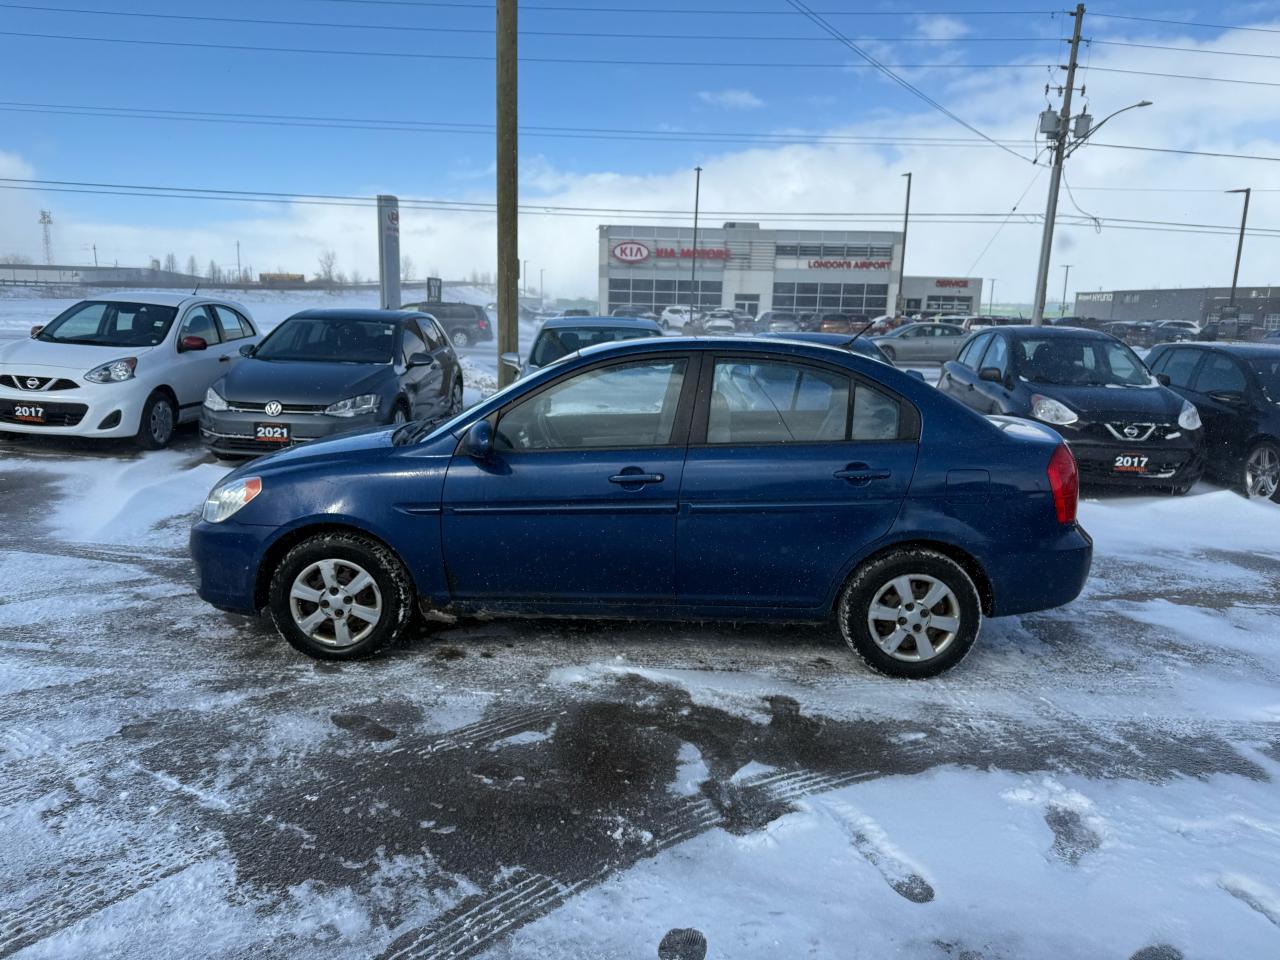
{"x":664,"y":478}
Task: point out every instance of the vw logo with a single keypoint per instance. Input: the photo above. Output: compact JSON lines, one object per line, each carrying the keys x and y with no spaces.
{"x":32,"y":383}
{"x":273,"y":408}
{"x":1131,"y":431}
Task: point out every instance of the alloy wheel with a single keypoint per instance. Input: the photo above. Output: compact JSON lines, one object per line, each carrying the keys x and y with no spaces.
{"x":460,"y":338}
{"x":161,"y":423}
{"x":914,"y":617}
{"x":1262,"y":472}
{"x":335,"y":602}
{"x":455,"y":400}
{"x":398,"y":418}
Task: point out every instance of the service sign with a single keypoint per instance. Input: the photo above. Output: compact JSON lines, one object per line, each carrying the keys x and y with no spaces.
{"x":631,"y":251}
{"x":951,"y":283}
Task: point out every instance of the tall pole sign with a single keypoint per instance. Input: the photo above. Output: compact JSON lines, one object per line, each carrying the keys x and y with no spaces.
{"x":388,"y":252}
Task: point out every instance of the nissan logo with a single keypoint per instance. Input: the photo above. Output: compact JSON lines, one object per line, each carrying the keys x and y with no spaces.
{"x":273,"y":408}
{"x":32,"y":383}
{"x":1131,"y":431}
{"x":631,"y":251}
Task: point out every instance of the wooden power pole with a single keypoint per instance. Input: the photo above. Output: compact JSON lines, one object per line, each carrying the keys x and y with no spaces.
{"x":508,"y":191}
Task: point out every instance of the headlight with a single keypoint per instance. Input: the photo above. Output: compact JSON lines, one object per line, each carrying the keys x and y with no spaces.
{"x":1051,"y":411}
{"x":113,"y":372}
{"x":353,"y":406}
{"x":226,"y":499}
{"x":214,"y":400}
{"x":1189,"y":418}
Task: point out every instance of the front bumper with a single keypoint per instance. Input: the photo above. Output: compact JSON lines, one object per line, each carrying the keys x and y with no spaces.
{"x":111,"y":410}
{"x":1167,"y":465}
{"x":232,"y":432}
{"x":227,"y":556}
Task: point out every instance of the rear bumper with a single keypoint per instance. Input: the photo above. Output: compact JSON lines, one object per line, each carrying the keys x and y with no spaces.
{"x":1042,"y":579}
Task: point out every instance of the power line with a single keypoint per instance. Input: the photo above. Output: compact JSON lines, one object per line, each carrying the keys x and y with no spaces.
{"x":1189,"y":153}
{"x":559,"y":61}
{"x":902,"y":82}
{"x":1162,"y":46}
{"x":1004,"y":222}
{"x":1184,"y":23}
{"x":488,"y":31}
{"x":1175,"y":189}
{"x":1186,"y":76}
{"x":712,"y":11}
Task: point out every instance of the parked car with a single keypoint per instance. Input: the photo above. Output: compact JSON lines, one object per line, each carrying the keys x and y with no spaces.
{"x":324,"y":372}
{"x":936,"y":342}
{"x":639,"y":313}
{"x":134,"y":366}
{"x":574,"y":312}
{"x":562,"y":336}
{"x":860,"y":345}
{"x":678,"y":316}
{"x":1174,"y":331}
{"x":611,"y":487}
{"x":1122,"y":424}
{"x":776,"y":321}
{"x":1236,"y":389}
{"x":711,"y":325}
{"x":466,"y":323}
{"x":843,"y":323}
{"x":740,"y":319}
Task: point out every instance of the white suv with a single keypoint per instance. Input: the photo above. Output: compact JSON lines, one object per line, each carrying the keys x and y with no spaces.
{"x":135,"y":365}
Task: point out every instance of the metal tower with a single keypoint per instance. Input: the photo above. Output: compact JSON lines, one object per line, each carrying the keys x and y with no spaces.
{"x":46,"y":221}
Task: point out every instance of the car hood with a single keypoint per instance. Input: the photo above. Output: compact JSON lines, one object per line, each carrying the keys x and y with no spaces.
{"x":292,"y":382}
{"x":81,"y":357}
{"x":1150,"y":404}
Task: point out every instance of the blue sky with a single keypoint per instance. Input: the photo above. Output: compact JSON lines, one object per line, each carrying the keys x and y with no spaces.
{"x":746,"y":95}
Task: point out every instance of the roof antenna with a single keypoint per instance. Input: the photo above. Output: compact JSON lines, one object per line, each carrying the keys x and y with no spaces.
{"x":197,"y":289}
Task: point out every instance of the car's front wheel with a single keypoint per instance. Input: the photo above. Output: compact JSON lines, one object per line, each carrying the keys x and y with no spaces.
{"x":910,"y":614}
{"x":158,"y":421}
{"x":1262,"y":471}
{"x":341,"y":596}
{"x":455,"y":399}
{"x":460,"y":338}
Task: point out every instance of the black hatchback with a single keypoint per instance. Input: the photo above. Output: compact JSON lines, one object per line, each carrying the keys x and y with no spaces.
{"x":1236,"y":388}
{"x":1123,"y":424}
{"x":323,"y":372}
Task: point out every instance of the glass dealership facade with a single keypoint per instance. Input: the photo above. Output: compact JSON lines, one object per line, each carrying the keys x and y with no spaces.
{"x":740,"y":265}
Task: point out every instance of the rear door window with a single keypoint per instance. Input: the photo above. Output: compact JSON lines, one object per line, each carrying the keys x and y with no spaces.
{"x":774,"y":402}
{"x":234,"y":326}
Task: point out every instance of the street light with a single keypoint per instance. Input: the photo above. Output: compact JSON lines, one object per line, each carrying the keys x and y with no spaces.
{"x":1066,"y":272}
{"x":1062,"y":150}
{"x":542,"y":286}
{"x":900,"y":301}
{"x":1244,"y":217}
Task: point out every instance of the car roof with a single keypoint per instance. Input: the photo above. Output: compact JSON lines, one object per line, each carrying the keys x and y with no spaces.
{"x":739,"y":345}
{"x":1030,"y":330}
{"x":611,"y":323}
{"x":1237,"y":347}
{"x":158,"y":298}
{"x":339,"y":313}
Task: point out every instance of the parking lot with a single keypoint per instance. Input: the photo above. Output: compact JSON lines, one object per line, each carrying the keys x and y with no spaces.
{"x":178,"y":781}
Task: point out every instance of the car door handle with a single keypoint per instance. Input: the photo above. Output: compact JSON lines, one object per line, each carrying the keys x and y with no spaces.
{"x":859,"y":474}
{"x":225,"y":358}
{"x":625,"y":478}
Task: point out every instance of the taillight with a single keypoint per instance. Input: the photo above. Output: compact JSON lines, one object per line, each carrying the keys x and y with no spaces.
{"x":1064,"y":481}
{"x":482,"y":323}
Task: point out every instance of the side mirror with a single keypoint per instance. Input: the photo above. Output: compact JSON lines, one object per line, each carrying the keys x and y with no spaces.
{"x":246,"y":350}
{"x":511,"y":360}
{"x":192,"y":343}
{"x":1163,"y":379}
{"x":915,"y":373}
{"x":991,"y":375}
{"x":478,"y":440}
{"x":35,"y":331}
{"x":421,"y":359}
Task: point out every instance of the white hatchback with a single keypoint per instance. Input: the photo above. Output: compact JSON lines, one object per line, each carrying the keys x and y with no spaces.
{"x":135,"y":366}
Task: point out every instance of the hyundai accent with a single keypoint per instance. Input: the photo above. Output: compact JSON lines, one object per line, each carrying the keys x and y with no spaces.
{"x":664,"y":478}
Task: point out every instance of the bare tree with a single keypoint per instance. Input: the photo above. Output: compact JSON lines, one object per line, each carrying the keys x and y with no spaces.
{"x":15,"y":258}
{"x":357,"y":277}
{"x":171,"y":263}
{"x":328,"y":263}
{"x":192,"y":269}
{"x":340,"y":278}
{"x":215,"y":272}
{"x":406,"y":267}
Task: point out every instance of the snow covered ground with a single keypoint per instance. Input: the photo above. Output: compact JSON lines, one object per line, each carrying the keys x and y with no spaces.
{"x":1095,"y":781}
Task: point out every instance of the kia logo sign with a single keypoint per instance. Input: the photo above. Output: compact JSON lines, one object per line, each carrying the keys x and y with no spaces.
{"x":631,"y":251}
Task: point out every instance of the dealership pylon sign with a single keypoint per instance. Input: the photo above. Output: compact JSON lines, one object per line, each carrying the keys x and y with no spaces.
{"x":388,"y":252}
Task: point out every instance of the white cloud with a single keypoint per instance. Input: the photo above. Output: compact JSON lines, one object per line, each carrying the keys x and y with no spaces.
{"x":940,"y":27}
{"x":731,"y":99}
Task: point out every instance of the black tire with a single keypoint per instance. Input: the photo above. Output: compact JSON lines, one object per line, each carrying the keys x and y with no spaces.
{"x":455,"y":398}
{"x":874,"y":582}
{"x":889,"y":353}
{"x":400,"y":414}
{"x":461,"y":337}
{"x":158,"y":422}
{"x":1262,"y":449}
{"x":392,"y":589}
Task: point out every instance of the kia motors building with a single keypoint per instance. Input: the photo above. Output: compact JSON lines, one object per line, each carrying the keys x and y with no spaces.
{"x":742,"y":266}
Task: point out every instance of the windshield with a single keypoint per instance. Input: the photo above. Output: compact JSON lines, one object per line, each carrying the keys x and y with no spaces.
{"x":330,"y":340}
{"x":107,"y":323}
{"x":1079,"y":362}
{"x":551,"y":345}
{"x":1267,"y":370}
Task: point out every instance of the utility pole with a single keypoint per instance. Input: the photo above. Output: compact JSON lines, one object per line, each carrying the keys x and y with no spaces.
{"x":1055,"y":180}
{"x":1066,"y":272}
{"x":95,"y":254}
{"x":542,"y":286}
{"x":1244,"y":218}
{"x":239,"y":272}
{"x":507,"y":188}
{"x":693,"y":266}
{"x":991,"y":300}
{"x":524,"y":276}
{"x":900,"y":301}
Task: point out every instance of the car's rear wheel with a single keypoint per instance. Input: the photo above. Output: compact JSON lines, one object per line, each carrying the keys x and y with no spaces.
{"x":460,"y":337}
{"x":910,"y":614}
{"x":341,"y":596}
{"x":889,"y":353}
{"x":158,"y":421}
{"x":1262,"y":471}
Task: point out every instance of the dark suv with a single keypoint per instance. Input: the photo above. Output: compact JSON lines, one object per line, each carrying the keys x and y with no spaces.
{"x":465,"y":323}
